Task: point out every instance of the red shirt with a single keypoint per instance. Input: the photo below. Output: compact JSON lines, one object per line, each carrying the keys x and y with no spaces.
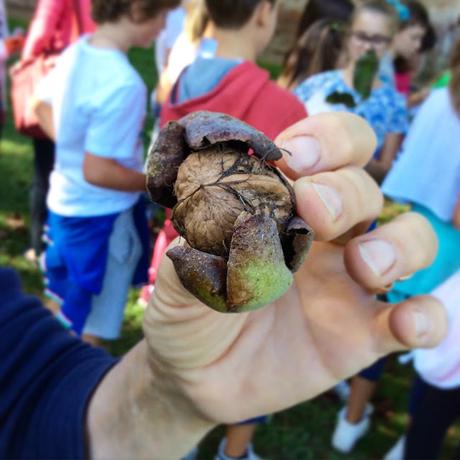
{"x":246,"y":92}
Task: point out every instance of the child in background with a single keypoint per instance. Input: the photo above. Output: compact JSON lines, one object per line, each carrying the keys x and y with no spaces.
{"x":319,"y":41}
{"x":415,"y":34}
{"x":174,"y":26}
{"x":434,"y":399}
{"x":372,"y":26}
{"x":407,"y":41}
{"x":55,"y":25}
{"x":438,"y":384}
{"x":194,"y":40}
{"x":427,"y":175}
{"x":93,"y":105}
{"x":232,"y":83}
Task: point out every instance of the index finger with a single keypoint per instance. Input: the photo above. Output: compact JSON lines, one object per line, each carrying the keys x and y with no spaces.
{"x":325,"y":142}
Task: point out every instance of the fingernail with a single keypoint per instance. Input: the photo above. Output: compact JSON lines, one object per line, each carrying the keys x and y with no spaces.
{"x":331,"y":199}
{"x":379,"y":255}
{"x":422,"y":324}
{"x":304,"y":153}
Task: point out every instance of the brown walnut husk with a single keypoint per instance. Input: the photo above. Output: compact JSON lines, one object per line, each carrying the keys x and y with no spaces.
{"x":234,"y":209}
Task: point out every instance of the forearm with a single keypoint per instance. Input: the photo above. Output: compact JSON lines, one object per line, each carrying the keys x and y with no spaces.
{"x":108,"y":173}
{"x":44,"y":113}
{"x":137,"y":412}
{"x":376,"y":170}
{"x":379,"y":167}
{"x":417,"y":98}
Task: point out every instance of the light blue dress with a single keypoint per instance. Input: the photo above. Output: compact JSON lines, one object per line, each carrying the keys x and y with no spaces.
{"x":385,"y":110}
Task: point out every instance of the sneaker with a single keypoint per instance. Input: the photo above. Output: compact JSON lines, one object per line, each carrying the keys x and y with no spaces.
{"x":342,"y":390}
{"x":397,"y":451}
{"x":249,"y":455}
{"x":347,"y":434}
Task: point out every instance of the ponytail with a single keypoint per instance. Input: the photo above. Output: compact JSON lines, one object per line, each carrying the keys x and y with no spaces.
{"x":317,"y":50}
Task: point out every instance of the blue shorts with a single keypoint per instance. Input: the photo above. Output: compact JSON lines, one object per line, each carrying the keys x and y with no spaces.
{"x":374,"y":372}
{"x":255,"y":421}
{"x":92,"y":286}
{"x":107,"y":309}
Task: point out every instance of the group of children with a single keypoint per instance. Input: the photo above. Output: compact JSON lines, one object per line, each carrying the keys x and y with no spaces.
{"x":93,"y":104}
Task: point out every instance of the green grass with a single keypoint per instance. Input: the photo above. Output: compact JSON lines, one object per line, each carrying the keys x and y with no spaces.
{"x":300,"y":433}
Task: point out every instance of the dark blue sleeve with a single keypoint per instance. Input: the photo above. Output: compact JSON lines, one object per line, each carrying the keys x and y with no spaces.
{"x":47,"y":378}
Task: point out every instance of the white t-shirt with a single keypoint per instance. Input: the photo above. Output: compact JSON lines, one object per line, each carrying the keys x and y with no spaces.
{"x":427,"y":171}
{"x":99,"y":105}
{"x":440,"y":366}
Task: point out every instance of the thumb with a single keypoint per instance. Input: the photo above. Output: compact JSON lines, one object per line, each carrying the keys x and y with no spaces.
{"x":419,"y":322}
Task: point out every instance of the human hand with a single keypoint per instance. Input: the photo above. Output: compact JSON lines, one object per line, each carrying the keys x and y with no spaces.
{"x":198,"y":367}
{"x":329,"y":325}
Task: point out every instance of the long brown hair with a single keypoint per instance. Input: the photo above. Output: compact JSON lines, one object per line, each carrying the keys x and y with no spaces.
{"x":315,"y":10}
{"x":454,"y":85}
{"x":316,"y":51}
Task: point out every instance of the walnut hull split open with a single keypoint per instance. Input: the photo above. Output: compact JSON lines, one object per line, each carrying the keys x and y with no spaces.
{"x":234,"y":209}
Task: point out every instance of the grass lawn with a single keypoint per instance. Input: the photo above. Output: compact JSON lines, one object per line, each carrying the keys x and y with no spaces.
{"x":300,"y":433}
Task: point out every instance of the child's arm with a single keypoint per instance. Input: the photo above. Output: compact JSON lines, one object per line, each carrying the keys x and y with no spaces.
{"x":44,"y":114}
{"x":108,"y":173}
{"x":378,"y":168}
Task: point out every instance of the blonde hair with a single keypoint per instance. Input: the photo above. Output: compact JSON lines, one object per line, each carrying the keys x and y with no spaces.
{"x":197,"y":20}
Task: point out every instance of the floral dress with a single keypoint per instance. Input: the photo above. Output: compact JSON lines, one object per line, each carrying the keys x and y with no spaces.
{"x":385,"y":110}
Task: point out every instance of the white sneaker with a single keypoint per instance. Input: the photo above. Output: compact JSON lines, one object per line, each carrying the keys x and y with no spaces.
{"x":346,"y":434}
{"x":250,"y":454}
{"x":397,"y":451}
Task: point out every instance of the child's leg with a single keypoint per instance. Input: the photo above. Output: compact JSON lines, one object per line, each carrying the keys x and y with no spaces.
{"x":362,"y":391}
{"x":107,"y":309}
{"x":434,"y":415}
{"x":43,"y":165}
{"x":353,"y":420}
{"x":238,"y":438}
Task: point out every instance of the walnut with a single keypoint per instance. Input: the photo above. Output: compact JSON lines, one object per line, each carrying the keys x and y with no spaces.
{"x":234,"y":209}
